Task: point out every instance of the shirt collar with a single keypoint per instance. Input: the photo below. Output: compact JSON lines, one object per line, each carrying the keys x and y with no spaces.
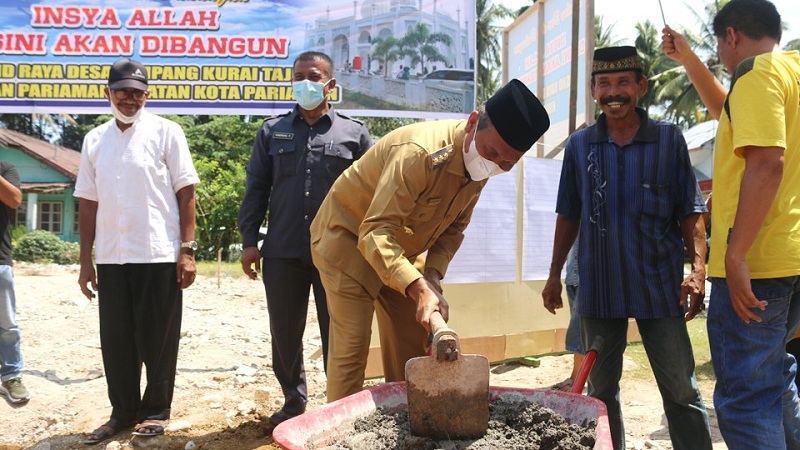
{"x":138,"y":120}
{"x":647,"y":130}
{"x":457,"y":166}
{"x":295,"y":114}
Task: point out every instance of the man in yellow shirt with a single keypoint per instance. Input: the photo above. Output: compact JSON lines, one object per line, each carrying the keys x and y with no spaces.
{"x":755,"y":245}
{"x":391,"y":223}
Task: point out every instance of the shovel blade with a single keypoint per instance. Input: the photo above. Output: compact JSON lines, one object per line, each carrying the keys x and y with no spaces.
{"x":448,"y":399}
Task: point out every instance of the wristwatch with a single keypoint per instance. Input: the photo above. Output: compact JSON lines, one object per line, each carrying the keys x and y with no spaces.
{"x":190,"y":245}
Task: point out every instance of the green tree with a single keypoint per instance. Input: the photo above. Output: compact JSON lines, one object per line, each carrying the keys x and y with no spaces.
{"x":220,"y":136}
{"x":488,"y":56}
{"x":66,"y":130}
{"x":676,"y":91}
{"x":40,"y":126}
{"x":648,"y":45}
{"x":604,"y":36}
{"x":381,"y":126}
{"x":386,"y":51}
{"x":221,"y":147}
{"x":74,"y":130}
{"x":420,"y":45}
{"x":794,"y":44}
{"x":219,"y":195}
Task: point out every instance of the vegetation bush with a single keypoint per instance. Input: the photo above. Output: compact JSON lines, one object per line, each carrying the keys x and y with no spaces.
{"x":40,"y":246}
{"x":17,"y":232}
{"x":71,"y":253}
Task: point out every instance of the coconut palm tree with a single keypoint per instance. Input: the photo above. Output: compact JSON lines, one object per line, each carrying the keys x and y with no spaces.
{"x":794,"y":44}
{"x":604,"y":37}
{"x":488,"y":56}
{"x":387,"y":51}
{"x":648,"y":45}
{"x":420,"y":45}
{"x":675,"y":90}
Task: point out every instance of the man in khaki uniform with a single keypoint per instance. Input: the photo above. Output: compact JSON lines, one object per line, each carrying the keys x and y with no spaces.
{"x":412,"y":192}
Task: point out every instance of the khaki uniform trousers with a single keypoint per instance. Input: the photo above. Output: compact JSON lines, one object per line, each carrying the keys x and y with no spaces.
{"x":351,"y":309}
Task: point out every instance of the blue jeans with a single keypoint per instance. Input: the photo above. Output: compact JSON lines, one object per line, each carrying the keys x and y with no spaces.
{"x":10,"y":354}
{"x":755,"y":395}
{"x":669,"y":350}
{"x":573,"y":341}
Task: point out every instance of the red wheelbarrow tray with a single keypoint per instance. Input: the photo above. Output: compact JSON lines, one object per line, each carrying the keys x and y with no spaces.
{"x":322,"y":426}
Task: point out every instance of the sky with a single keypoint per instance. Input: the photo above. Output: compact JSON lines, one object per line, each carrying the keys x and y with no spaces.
{"x":626,"y":13}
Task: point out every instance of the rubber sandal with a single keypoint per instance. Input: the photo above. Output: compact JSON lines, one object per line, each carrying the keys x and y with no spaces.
{"x":153,"y":427}
{"x":563,"y":386}
{"x":104,"y":432}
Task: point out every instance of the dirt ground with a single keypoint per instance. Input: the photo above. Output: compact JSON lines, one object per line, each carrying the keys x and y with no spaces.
{"x":224,"y":382}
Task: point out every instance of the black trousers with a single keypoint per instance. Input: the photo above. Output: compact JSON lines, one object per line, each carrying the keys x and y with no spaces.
{"x":141,"y":307}
{"x":287,"y":283}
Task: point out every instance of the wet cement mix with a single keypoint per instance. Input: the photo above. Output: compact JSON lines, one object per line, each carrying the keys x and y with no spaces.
{"x":512,"y":425}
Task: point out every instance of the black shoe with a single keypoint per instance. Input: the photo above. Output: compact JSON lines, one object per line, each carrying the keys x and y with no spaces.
{"x":274,"y":420}
{"x":279,"y":417}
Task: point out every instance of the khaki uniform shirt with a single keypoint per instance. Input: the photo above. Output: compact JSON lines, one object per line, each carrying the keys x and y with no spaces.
{"x":407,"y":195}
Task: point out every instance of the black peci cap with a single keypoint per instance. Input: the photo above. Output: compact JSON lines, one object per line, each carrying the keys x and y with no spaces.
{"x":517,"y":115}
{"x":616,"y":59}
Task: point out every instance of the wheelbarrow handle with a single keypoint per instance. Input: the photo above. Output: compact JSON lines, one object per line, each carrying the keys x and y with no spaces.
{"x":586,"y":365}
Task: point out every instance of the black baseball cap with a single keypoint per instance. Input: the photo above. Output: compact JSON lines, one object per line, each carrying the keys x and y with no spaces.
{"x":127,"y":73}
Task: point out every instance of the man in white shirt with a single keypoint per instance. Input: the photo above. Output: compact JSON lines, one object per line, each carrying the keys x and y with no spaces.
{"x":136,"y":186}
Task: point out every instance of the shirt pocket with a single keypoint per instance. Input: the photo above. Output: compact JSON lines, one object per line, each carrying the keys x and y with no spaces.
{"x":335,"y":159}
{"x":419,"y":225}
{"x":284,"y":157}
{"x":655,"y":200}
{"x":424,"y":211}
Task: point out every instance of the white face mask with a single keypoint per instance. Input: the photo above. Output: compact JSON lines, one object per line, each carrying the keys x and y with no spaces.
{"x":479,"y":168}
{"x":122,"y":117}
{"x":309,"y":94}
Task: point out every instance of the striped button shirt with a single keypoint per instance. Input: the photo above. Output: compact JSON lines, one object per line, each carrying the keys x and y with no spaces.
{"x":630,"y":201}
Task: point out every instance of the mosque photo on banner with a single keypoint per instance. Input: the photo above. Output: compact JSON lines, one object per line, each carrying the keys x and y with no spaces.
{"x":407,"y":58}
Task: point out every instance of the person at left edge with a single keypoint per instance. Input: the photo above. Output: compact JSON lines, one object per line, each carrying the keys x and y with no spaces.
{"x":11,"y":360}
{"x":136,"y":186}
{"x":296,"y":158}
{"x":392,"y":222}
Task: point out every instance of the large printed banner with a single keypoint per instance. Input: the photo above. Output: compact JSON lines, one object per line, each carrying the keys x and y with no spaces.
{"x":539,"y":52}
{"x":235,"y":56}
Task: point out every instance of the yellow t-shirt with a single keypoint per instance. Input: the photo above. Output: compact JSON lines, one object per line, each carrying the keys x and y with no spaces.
{"x":762,"y":110}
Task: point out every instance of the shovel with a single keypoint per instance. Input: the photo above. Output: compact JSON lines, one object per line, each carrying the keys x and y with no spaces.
{"x":448,"y":392}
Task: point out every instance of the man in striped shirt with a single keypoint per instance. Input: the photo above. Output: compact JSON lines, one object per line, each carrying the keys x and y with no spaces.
{"x":627,"y":185}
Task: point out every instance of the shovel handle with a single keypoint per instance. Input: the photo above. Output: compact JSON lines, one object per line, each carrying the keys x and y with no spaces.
{"x":437,"y":322}
{"x":444,"y":345}
{"x":586,"y":365}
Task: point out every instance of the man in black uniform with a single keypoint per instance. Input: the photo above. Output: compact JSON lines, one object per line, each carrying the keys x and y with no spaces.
{"x":296,"y":158}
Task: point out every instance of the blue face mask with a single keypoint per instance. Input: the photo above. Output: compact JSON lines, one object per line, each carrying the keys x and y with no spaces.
{"x":309,"y":94}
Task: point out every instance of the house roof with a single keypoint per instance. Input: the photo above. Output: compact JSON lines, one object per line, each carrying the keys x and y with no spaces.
{"x":61,"y":159}
{"x":701,"y":134}
{"x":45,"y":188}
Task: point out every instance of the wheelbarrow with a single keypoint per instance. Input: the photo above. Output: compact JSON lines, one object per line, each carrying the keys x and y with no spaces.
{"x":327,"y":424}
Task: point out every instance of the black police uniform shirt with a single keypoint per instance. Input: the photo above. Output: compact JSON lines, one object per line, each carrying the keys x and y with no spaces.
{"x":292,"y":166}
